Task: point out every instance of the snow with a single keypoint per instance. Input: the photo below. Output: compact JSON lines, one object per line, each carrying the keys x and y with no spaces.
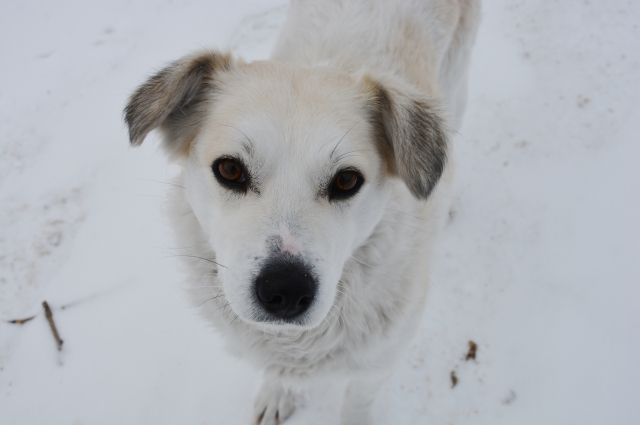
{"x":539,"y":265}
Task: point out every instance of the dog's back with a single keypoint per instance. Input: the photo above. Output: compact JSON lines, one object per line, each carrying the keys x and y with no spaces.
{"x":426,"y":43}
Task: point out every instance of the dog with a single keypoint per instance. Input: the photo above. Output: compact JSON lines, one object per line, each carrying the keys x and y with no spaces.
{"x":314,"y":185}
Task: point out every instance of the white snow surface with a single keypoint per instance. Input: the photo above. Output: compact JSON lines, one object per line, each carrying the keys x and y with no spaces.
{"x":540,"y":264}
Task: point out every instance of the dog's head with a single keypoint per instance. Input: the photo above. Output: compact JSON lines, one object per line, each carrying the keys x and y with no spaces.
{"x":288,"y":170}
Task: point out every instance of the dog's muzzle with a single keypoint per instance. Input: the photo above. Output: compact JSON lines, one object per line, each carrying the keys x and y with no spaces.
{"x":285,"y":288}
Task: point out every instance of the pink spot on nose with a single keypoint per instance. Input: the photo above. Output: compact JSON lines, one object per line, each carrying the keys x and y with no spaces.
{"x":288,"y":243}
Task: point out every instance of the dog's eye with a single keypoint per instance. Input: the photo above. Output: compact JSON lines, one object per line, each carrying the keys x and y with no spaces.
{"x":231,"y":173}
{"x":345,"y":184}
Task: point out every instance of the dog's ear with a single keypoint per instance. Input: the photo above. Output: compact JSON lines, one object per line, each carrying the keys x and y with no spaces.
{"x":410,"y":133}
{"x":174,"y":100}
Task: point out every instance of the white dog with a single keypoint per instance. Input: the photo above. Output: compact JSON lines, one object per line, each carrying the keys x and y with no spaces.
{"x":314,"y":185}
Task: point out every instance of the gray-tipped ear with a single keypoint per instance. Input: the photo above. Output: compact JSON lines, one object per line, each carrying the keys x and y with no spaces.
{"x":174,"y":100}
{"x":411,"y":135}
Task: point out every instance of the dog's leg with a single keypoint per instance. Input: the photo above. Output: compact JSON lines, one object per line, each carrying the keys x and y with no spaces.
{"x":275,"y":402}
{"x":359,"y":398}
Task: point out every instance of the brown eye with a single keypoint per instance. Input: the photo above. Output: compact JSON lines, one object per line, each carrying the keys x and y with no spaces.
{"x":346,"y":181}
{"x":345,"y":184}
{"x":229,"y":169}
{"x":231,"y":173}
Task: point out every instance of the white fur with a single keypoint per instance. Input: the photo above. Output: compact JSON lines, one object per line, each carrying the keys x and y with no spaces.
{"x":372,"y":253}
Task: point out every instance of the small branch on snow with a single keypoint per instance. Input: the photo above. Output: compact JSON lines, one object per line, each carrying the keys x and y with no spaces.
{"x":52,"y":324}
{"x":472,"y":352}
{"x":454,"y":379}
{"x":66,"y":306}
{"x":21,"y":321}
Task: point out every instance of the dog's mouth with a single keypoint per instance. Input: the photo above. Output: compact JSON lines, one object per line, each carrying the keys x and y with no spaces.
{"x":271,"y":308}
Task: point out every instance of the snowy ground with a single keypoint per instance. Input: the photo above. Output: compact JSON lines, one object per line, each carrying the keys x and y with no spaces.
{"x":540,"y":266}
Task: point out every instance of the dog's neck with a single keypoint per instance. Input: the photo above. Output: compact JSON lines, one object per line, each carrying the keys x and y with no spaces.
{"x":383,"y":42}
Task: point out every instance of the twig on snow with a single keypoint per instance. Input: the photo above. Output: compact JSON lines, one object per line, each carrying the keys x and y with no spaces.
{"x":21,"y":321}
{"x":472,"y":352}
{"x":52,"y":324}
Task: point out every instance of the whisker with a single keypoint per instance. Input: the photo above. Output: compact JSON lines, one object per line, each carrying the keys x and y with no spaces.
{"x":200,"y":258}
{"x":341,"y":139}
{"x":197,"y":245}
{"x":361,"y":262}
{"x":203,"y":287}
{"x":165,"y":182}
{"x":346,"y":154}
{"x":208,"y":300}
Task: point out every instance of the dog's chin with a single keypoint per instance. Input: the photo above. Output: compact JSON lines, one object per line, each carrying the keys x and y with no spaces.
{"x":246,"y":310}
{"x":266,"y":323}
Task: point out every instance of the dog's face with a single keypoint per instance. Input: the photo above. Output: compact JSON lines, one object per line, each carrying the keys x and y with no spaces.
{"x":286,"y":184}
{"x":287,"y":171}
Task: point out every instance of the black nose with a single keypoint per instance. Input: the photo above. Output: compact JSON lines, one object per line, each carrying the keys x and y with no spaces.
{"x":285,"y":288}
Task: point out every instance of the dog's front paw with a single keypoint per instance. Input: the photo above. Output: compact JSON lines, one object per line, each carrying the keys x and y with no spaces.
{"x":274,"y":404}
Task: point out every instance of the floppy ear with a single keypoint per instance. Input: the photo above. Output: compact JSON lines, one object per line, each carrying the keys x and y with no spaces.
{"x":175,"y":100}
{"x":411,"y":135}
